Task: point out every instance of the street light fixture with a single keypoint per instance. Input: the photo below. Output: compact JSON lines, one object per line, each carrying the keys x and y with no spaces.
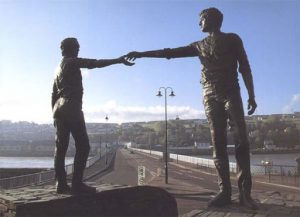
{"x":268,"y":165}
{"x":159,"y":94}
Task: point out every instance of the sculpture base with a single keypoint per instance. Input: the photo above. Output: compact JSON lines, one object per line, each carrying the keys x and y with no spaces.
{"x":110,"y":200}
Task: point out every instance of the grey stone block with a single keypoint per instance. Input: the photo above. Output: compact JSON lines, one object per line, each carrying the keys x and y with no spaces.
{"x":108,"y":201}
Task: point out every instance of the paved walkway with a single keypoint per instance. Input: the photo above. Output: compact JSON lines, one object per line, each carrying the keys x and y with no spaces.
{"x":192,"y":201}
{"x":192,"y":198}
{"x":195,"y":198}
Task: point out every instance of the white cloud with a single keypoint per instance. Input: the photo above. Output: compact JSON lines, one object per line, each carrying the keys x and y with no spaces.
{"x":119,"y":114}
{"x":40,"y":112}
{"x":22,"y":110}
{"x":293,"y":104}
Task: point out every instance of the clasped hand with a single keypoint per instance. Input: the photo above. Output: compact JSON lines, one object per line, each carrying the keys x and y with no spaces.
{"x":131,"y":56}
{"x":124,"y":60}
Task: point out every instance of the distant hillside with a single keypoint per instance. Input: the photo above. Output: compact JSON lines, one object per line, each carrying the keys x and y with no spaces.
{"x":264,"y":131}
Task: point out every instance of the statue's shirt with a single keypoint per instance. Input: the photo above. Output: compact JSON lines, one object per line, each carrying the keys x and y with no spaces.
{"x":68,"y":80}
{"x":221,"y":56}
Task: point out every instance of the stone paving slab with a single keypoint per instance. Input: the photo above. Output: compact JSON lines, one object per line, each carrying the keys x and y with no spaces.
{"x":12,"y":198}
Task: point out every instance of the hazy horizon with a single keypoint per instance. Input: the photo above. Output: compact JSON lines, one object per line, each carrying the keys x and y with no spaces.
{"x":154,"y":120}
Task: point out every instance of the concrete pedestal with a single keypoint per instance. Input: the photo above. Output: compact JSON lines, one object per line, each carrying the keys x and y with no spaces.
{"x":110,"y":200}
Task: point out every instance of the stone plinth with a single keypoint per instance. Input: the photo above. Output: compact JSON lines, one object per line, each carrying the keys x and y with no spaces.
{"x":110,"y":200}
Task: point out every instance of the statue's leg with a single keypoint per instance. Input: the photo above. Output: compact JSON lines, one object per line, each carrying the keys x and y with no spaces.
{"x":62,"y":141}
{"x":82,"y":146}
{"x":217,"y":119}
{"x":234,"y":106}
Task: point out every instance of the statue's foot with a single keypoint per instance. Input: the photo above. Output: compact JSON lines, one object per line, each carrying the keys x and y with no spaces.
{"x":63,"y":189}
{"x":221,"y":199}
{"x":82,"y":188}
{"x":247,"y":201}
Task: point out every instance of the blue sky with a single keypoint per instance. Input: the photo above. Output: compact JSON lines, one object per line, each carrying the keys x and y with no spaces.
{"x":32,"y":31}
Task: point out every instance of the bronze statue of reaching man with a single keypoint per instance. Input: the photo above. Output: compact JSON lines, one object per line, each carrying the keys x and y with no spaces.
{"x":222,"y":55}
{"x":68,"y":116}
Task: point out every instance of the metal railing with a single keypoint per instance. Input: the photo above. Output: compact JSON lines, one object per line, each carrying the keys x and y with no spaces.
{"x":41,"y":177}
{"x":280,"y":174}
{"x":157,"y":153}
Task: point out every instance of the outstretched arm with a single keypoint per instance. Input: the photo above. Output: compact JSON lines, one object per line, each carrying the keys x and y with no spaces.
{"x":107,"y":62}
{"x":94,"y":63}
{"x":187,"y":51}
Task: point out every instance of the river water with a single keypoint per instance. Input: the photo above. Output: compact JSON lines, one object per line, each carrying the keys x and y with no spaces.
{"x":47,"y":162}
{"x":30,"y":162}
{"x":277,"y":159}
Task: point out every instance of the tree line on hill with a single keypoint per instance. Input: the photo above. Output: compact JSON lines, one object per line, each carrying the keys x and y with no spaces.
{"x":273,"y":129}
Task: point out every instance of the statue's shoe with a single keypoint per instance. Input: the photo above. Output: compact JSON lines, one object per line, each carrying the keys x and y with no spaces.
{"x":221,"y":199}
{"x":247,"y":201}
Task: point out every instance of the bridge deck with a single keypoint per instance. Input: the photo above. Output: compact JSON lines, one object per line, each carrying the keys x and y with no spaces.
{"x":191,"y":187}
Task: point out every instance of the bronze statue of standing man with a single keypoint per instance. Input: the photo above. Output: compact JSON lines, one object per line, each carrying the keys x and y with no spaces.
{"x":221,"y":55}
{"x":68,"y":116}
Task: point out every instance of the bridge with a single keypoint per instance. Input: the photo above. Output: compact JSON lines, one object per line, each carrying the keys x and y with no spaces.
{"x":190,"y":184}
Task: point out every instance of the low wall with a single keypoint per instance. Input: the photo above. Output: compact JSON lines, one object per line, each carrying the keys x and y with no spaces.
{"x":11,"y":172}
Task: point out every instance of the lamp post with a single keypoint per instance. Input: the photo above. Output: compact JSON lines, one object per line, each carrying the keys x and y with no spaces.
{"x":166,"y":120}
{"x":149,"y":141}
{"x":267,"y":164}
{"x":106,"y":119}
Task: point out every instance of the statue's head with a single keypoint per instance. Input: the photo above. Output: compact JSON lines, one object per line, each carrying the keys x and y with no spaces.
{"x":69,"y":47}
{"x":210,"y":19}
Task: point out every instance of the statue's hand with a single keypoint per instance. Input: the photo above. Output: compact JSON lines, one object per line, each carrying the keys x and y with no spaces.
{"x":125,"y":61}
{"x":133,"y":55}
{"x":251,"y":106}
